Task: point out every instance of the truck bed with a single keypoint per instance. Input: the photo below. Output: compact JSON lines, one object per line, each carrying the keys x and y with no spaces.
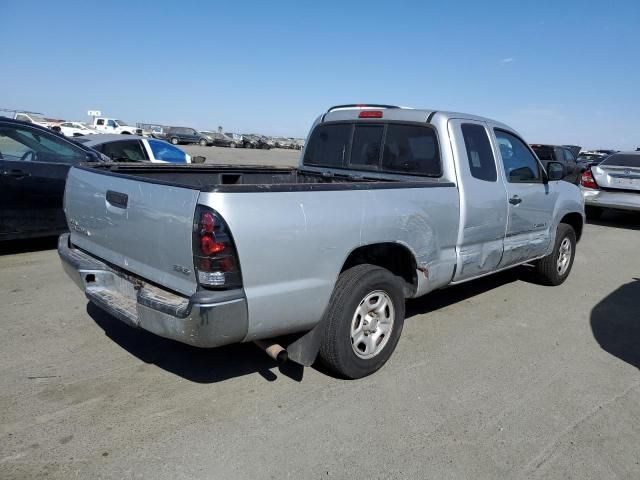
{"x":231,"y":178}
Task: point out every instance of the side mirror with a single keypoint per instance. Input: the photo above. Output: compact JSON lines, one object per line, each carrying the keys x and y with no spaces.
{"x":556,"y":171}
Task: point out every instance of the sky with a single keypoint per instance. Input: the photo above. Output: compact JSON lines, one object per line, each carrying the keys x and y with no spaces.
{"x":560,"y":72}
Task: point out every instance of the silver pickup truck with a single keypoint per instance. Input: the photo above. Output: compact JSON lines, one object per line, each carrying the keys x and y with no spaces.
{"x":387,"y":203}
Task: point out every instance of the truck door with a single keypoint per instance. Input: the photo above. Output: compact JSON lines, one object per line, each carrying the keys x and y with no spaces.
{"x":483,"y":200}
{"x":531,"y":201}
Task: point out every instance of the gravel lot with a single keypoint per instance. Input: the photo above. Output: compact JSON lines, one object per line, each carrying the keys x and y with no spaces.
{"x":498,"y":378}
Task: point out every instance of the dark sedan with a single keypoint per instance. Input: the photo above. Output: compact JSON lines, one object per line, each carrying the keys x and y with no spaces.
{"x":563,"y":154}
{"x":34,"y":162}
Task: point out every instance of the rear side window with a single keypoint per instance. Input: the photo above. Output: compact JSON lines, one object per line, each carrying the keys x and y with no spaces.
{"x":167,"y":152}
{"x":328,"y":146}
{"x":125,"y":150}
{"x":367,"y":142}
{"x":100,"y":121}
{"x":482,"y":164}
{"x":568,"y":156}
{"x":411,"y":149}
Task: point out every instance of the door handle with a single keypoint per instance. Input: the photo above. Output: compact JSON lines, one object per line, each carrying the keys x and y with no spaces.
{"x":117,"y":199}
{"x":515,"y":200}
{"x":18,"y":174}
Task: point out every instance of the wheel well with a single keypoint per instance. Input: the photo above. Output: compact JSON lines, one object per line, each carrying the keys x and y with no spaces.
{"x":396,"y":258}
{"x":575,"y":220}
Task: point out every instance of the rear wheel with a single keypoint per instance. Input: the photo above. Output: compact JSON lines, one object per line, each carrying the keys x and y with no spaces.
{"x":174,"y":140}
{"x":593,"y":213}
{"x":555,"y":268}
{"x":364,"y":321}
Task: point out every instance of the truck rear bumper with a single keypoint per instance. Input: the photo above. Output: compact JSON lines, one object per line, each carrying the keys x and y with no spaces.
{"x":206,"y":319}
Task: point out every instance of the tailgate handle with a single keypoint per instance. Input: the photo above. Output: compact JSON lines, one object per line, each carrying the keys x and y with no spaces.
{"x":117,"y":199}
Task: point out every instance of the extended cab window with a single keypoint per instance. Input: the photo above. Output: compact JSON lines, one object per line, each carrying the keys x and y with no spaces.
{"x":482,"y":164}
{"x":520,"y":166}
{"x":328,"y":146}
{"x":411,"y":149}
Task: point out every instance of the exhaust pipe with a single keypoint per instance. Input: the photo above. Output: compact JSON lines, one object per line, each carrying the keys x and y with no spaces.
{"x":274,"y":350}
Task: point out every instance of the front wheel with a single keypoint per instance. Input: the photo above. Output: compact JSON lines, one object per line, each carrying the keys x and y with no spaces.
{"x":232,"y":145}
{"x":554,"y":269}
{"x":203,"y":142}
{"x":364,"y":321}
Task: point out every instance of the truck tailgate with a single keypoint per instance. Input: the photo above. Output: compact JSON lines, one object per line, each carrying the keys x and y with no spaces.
{"x":142,"y":227}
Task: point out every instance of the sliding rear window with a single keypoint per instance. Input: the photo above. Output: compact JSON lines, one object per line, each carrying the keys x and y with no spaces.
{"x":410,"y":149}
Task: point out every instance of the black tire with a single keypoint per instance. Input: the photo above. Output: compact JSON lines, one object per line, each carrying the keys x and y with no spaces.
{"x":337,"y":350}
{"x":548,"y":269}
{"x":175,"y":141}
{"x":232,"y":145}
{"x":593,"y":213}
{"x":202,"y":142}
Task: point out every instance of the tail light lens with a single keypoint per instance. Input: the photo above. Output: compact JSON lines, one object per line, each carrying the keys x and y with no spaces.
{"x":587,"y":180}
{"x":214,"y":254}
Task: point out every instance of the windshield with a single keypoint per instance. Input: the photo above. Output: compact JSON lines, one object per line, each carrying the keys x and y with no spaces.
{"x":623,"y":160}
{"x":120,"y":123}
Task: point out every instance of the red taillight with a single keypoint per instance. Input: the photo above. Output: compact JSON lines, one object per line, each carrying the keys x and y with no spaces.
{"x":214,"y":253}
{"x":587,"y":180}
{"x":208,"y":222}
{"x":370,"y":114}
{"x":209,"y":246}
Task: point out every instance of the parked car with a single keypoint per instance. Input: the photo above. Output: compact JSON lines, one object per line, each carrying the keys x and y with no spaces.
{"x":561,"y":154}
{"x":236,"y":137}
{"x":281,"y":142}
{"x":220,"y":139}
{"x":34,"y":162}
{"x":159,"y":133}
{"x":75,"y":129}
{"x":35,"y":118}
{"x":113,"y":125}
{"x":133,"y":148}
{"x":181,"y":135}
{"x":257,"y":141}
{"x":588,"y":159}
{"x":613,"y":184}
{"x":388,"y":203}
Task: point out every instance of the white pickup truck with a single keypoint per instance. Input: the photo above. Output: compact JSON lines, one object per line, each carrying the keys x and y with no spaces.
{"x":113,"y":125}
{"x":387,"y":203}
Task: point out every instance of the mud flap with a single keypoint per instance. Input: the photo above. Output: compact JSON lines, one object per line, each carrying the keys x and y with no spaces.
{"x":305,"y":349}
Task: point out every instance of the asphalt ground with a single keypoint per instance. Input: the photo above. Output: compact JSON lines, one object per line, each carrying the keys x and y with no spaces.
{"x":497,"y":378}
